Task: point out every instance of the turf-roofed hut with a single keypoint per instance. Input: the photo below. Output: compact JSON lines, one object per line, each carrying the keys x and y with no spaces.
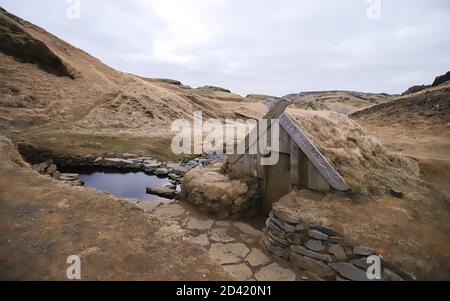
{"x":300,"y":164}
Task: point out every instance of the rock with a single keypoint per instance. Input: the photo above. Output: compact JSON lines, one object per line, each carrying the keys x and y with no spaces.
{"x":223,"y":224}
{"x":56,"y":175}
{"x":175,"y":177}
{"x":171,"y":186}
{"x":51,"y":169}
{"x":279,"y":251}
{"x":275,"y":272}
{"x":338,"y":251}
{"x":441,"y":79}
{"x":75,"y":183}
{"x":178,"y":169}
{"x":302,"y":251}
{"x":280,"y":241}
{"x":396,"y":194}
{"x":349,"y":271}
{"x":285,"y":214}
{"x":317,"y":235}
{"x":42,"y":168}
{"x":71,"y":179}
{"x":129,"y":156}
{"x":363,"y":251}
{"x":361,"y":263}
{"x":247,"y":229}
{"x":164,"y":192}
{"x":68,"y":177}
{"x":170,"y":211}
{"x":151,"y":166}
{"x":195,"y":224}
{"x":162,"y":172}
{"x":228,"y":253}
{"x":318,"y":267}
{"x":389,"y":275}
{"x":148,"y":206}
{"x":327,"y":231}
{"x":201,"y":240}
{"x":300,"y":228}
{"x":295,"y":239}
{"x":215,"y":89}
{"x":215,"y":193}
{"x":281,"y":224}
{"x":257,"y":258}
{"x":415,"y":89}
{"x":274,"y":229}
{"x":314,"y":245}
{"x":220,"y":235}
{"x":240,"y":272}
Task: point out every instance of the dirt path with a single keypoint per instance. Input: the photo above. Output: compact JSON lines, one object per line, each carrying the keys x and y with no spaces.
{"x":42,"y":222}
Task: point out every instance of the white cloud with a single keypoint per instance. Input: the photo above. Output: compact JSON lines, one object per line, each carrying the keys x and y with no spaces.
{"x":260,"y":46}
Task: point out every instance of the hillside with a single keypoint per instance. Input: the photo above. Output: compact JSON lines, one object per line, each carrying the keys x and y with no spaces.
{"x":417,"y":125}
{"x":345,"y":102}
{"x":52,"y":93}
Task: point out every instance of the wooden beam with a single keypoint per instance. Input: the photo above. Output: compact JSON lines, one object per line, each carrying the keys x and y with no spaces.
{"x":313,"y":154}
{"x":295,"y":166}
{"x":278,"y":109}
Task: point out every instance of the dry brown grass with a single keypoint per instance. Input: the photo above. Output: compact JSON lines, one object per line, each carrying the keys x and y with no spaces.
{"x":366,"y":165}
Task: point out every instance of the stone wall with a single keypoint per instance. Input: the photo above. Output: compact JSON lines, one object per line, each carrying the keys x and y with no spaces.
{"x":320,"y":250}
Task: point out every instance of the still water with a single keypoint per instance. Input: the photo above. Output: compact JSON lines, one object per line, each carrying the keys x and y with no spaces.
{"x":124,"y":185}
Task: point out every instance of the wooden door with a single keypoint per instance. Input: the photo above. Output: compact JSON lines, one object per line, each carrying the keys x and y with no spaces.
{"x":277,"y":182}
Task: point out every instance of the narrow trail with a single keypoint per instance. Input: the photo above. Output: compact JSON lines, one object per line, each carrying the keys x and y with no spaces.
{"x":234,"y":245}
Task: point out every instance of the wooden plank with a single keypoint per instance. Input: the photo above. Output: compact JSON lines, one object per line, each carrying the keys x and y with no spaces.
{"x":260,"y":167}
{"x":313,"y":154}
{"x":276,"y":184}
{"x":285,"y":142}
{"x":303,"y":163}
{"x":315,"y":180}
{"x":295,"y":160}
{"x":278,"y":109}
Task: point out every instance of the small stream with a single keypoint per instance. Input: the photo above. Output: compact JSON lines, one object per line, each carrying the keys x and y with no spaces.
{"x":125,"y":185}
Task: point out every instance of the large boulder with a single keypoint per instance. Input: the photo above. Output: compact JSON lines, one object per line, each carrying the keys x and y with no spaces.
{"x":215,"y":193}
{"x":441,"y":79}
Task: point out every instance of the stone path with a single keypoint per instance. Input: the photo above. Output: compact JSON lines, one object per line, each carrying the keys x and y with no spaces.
{"x":235,"y":245}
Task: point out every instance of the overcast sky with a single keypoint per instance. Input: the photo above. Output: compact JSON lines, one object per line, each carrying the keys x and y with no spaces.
{"x":259,"y":46}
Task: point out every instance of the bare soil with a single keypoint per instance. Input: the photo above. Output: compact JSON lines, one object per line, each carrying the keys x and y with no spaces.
{"x":42,"y":222}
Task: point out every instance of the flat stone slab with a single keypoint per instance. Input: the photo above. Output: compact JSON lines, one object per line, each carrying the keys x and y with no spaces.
{"x":162,"y":191}
{"x":317,"y":267}
{"x":240,"y":272}
{"x":223,"y":223}
{"x":349,"y":271}
{"x":257,"y":258}
{"x":170,"y":211}
{"x":338,"y":251}
{"x":201,"y":240}
{"x":195,"y":224}
{"x":247,"y":229}
{"x":220,"y":235}
{"x":363,"y":251}
{"x":148,"y":206}
{"x":314,"y":245}
{"x":317,"y":235}
{"x":303,"y":251}
{"x":228,"y":253}
{"x":275,"y":272}
{"x":286,"y":214}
